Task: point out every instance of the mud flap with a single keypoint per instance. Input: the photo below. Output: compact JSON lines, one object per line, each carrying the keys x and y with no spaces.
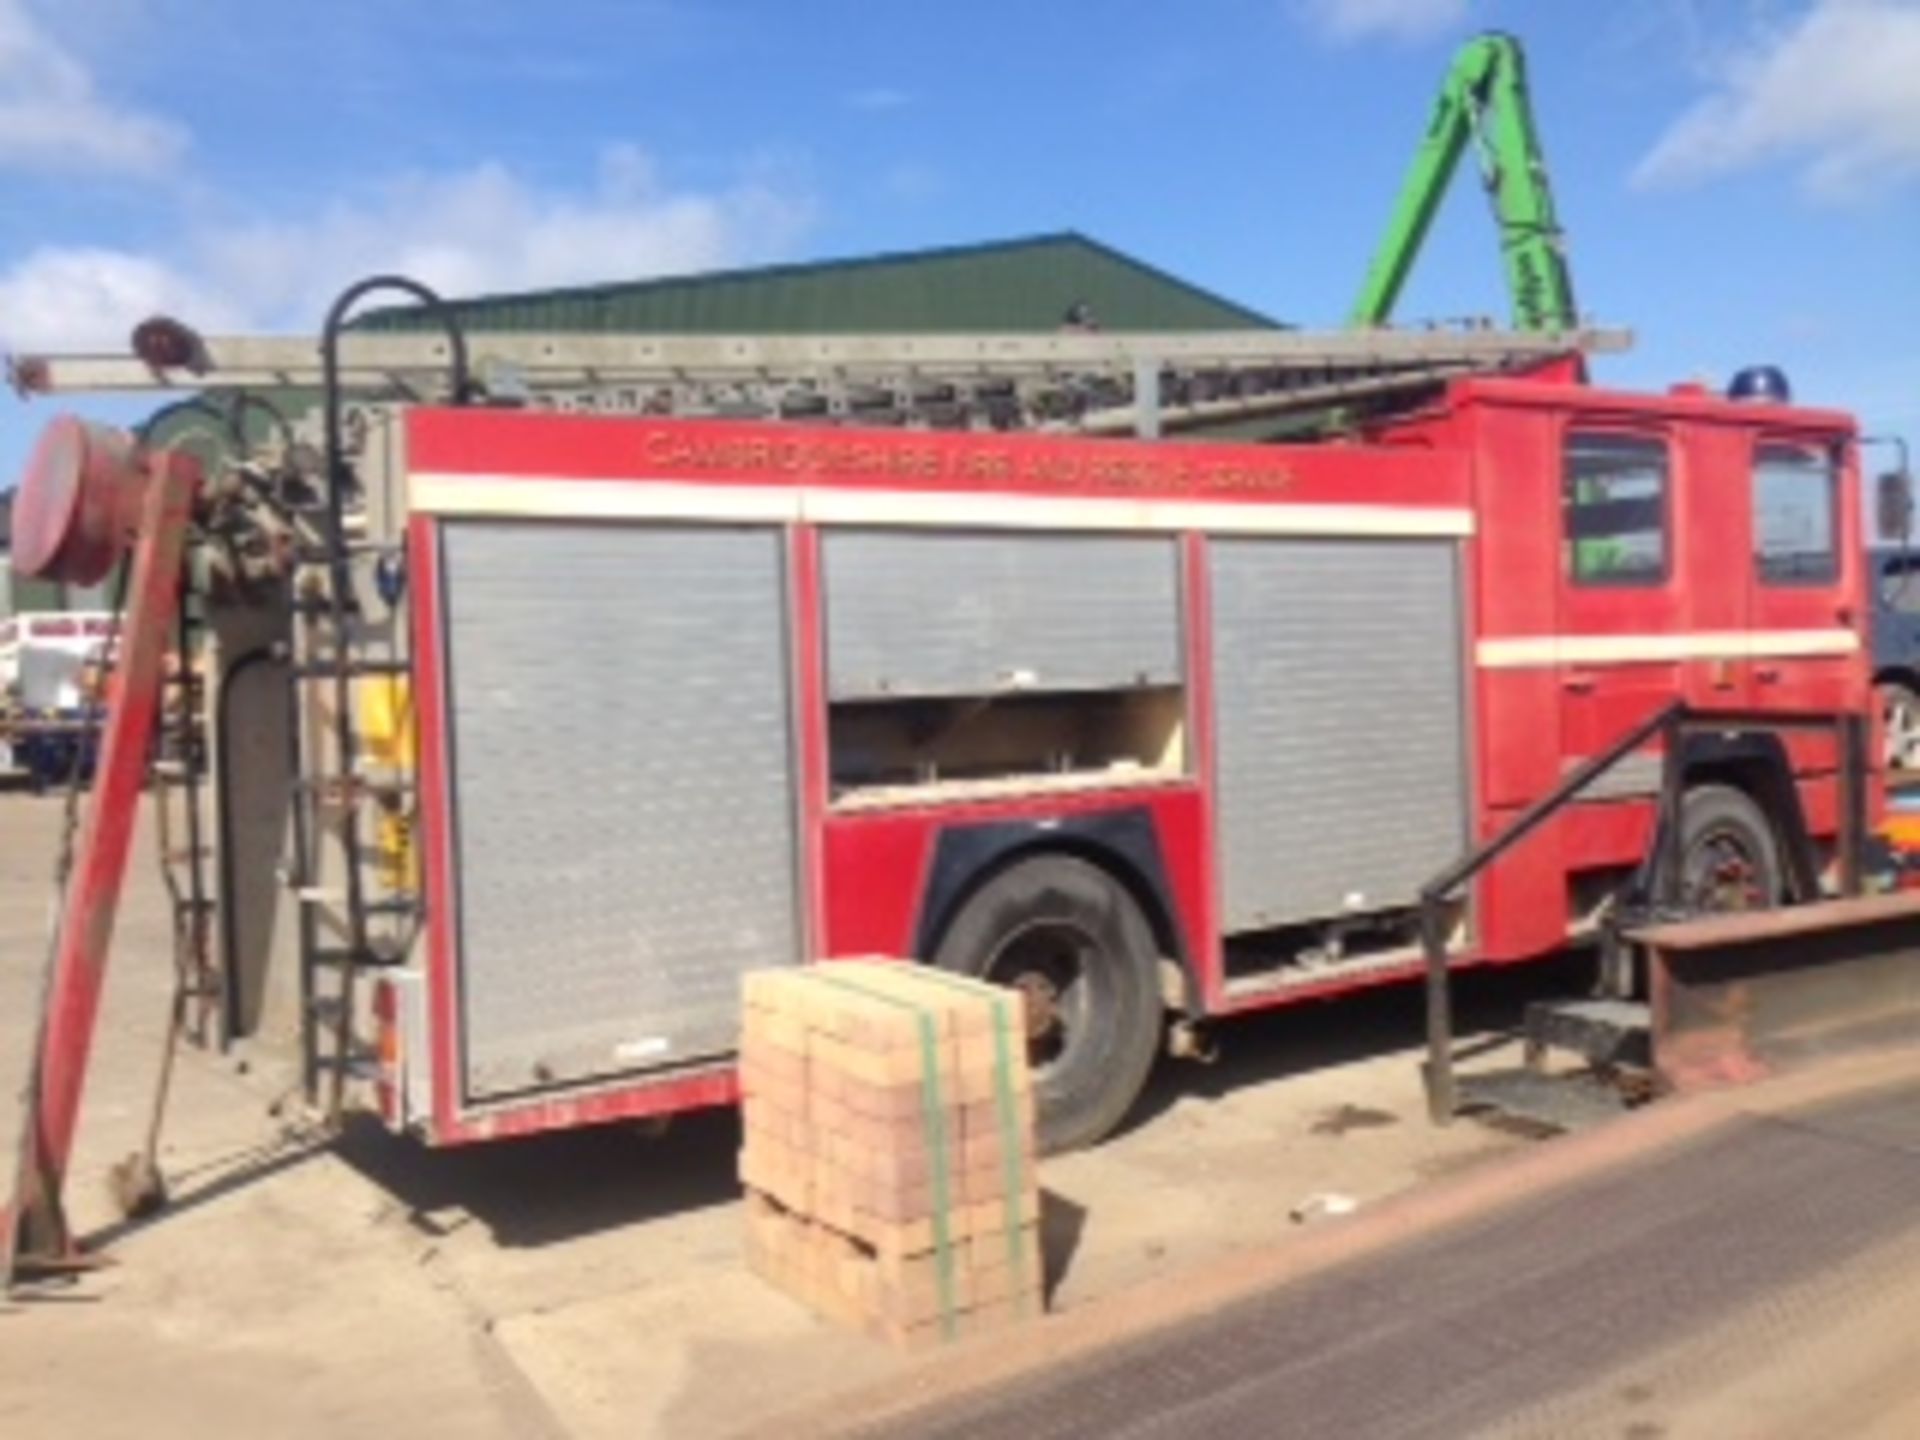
{"x":1739,"y":997}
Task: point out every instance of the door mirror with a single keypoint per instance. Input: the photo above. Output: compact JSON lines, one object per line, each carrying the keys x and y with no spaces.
{"x":1894,"y":506}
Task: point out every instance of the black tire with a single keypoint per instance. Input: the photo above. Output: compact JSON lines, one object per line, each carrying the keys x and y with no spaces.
{"x":1730,"y":856}
{"x":1056,"y":923}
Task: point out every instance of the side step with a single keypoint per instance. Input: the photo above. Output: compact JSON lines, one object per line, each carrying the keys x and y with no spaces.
{"x":1576,"y":1101}
{"x":1732,"y":999}
{"x":1611,"y":1037}
{"x":1607,"y":1034}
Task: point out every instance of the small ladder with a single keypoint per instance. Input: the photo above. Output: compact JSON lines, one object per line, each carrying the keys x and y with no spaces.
{"x":348,"y":914}
{"x":178,"y":776}
{"x":175,"y":779}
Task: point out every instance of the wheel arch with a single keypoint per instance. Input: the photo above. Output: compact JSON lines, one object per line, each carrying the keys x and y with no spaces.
{"x":1902,"y":674}
{"x":970,"y":856}
{"x":1756,"y":764}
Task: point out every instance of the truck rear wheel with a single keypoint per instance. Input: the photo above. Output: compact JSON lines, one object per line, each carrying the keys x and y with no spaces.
{"x":1069,"y":937}
{"x":1729,"y":856}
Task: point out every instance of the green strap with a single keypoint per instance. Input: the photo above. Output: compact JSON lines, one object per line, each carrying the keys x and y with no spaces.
{"x":1010,"y":1166}
{"x":934,"y":1114}
{"x":1009,"y":1147}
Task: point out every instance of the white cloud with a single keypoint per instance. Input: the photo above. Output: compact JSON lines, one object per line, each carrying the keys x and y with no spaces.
{"x":481,"y":230}
{"x":52,"y":118}
{"x":86,"y":296}
{"x":1837,"y":92}
{"x":1347,"y":20}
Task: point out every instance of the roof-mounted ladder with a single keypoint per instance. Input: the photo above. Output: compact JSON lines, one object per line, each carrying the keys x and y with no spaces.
{"x":1080,"y":382}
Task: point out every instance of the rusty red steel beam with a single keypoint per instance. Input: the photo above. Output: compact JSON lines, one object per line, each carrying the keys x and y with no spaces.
{"x":1735,"y":998}
{"x":89,"y":497}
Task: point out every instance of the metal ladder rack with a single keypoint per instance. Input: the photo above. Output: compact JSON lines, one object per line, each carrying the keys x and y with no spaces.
{"x":1086,"y":383}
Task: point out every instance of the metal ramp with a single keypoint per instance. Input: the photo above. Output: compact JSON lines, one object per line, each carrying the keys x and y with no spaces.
{"x":1738,"y":997}
{"x":1730,"y":997}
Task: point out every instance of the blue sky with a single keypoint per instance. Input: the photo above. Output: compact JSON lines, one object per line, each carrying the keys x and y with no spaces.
{"x":1738,"y":177}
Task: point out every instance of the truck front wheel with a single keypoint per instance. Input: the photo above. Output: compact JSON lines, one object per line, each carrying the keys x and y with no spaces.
{"x":1069,"y":937}
{"x":1730,"y":859}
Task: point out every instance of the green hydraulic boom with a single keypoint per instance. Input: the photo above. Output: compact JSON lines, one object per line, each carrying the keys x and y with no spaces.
{"x":1484,"y":99}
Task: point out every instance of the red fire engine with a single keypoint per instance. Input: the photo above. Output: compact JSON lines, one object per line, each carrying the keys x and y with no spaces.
{"x":1131,"y":728}
{"x":594,"y":713}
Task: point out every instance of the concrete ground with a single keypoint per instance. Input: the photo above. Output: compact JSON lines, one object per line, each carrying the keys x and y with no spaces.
{"x":586,"y":1284}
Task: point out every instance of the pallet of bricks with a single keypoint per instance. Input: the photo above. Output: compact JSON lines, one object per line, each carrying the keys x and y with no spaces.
{"x":888,"y":1151}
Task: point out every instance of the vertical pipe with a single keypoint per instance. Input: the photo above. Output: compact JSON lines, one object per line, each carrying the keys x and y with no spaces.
{"x":1853,"y":802}
{"x":301,"y":825}
{"x":1146,"y":398}
{"x":1669,"y":848}
{"x":193,"y":740}
{"x":1442,"y":1096}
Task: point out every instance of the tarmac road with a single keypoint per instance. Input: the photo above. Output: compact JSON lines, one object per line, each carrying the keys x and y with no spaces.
{"x":1746,"y":1266}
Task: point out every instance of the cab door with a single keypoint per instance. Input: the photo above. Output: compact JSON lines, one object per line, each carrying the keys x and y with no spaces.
{"x":1806,"y":596}
{"x":1625,"y":606}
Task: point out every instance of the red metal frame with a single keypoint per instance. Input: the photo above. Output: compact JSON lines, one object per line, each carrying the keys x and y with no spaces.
{"x":1208,"y":957}
{"x":436,"y":823}
{"x":33,"y":1220}
{"x":809,"y":668}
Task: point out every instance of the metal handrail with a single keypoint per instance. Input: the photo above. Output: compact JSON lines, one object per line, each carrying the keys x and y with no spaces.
{"x":1670,"y":721}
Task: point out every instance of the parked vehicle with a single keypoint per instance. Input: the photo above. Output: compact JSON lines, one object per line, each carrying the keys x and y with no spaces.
{"x":1896,"y":653}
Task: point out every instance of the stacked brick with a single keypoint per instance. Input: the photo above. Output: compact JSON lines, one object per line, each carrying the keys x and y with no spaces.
{"x":888,"y":1148}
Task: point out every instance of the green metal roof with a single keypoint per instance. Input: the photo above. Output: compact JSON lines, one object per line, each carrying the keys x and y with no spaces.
{"x":1014,"y":286}
{"x":1009,"y":286}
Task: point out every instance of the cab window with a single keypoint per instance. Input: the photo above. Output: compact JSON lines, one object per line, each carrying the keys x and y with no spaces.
{"x":1795,"y":504}
{"x":1614,"y":508}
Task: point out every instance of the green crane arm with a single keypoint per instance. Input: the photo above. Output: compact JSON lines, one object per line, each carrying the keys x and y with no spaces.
{"x":1484,"y":99}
